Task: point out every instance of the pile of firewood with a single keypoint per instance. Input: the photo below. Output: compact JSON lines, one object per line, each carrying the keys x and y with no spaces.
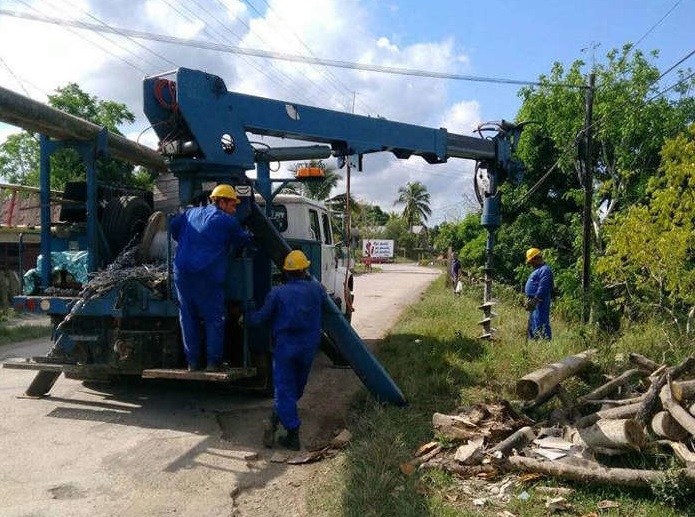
{"x":648,"y":409}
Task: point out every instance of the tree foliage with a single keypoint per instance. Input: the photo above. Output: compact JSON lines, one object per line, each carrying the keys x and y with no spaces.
{"x":20,"y":153}
{"x":650,"y":256}
{"x":416,"y":203}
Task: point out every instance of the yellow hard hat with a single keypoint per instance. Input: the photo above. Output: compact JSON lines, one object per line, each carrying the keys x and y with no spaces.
{"x":532,"y":252}
{"x":224,"y":191}
{"x":296,"y":261}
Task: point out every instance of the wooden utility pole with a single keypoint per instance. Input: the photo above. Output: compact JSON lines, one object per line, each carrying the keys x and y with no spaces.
{"x":588,"y":202}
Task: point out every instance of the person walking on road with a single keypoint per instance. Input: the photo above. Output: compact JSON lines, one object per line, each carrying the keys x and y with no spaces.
{"x":294,"y":311}
{"x":204,"y":236}
{"x":538,"y":291}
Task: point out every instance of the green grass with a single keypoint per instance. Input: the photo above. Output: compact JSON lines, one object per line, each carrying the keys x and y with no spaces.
{"x":14,"y":334}
{"x":434,"y":355}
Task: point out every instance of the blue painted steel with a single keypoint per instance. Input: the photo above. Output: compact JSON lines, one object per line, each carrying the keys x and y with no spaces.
{"x":363,"y":362}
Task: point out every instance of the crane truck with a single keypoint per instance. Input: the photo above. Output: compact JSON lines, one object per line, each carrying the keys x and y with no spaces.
{"x":124,"y":321}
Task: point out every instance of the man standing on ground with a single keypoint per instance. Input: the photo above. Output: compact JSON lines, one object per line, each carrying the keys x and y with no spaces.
{"x":294,"y":311}
{"x":454,"y":269}
{"x":538,"y":290}
{"x":204,"y":236}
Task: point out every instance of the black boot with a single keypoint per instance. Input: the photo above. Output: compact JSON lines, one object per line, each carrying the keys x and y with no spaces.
{"x":291,"y":440}
{"x":271,"y":428}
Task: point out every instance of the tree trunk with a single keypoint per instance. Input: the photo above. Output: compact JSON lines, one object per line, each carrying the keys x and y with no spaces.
{"x":592,"y":472}
{"x":540,"y":382}
{"x":676,"y":410}
{"x":455,"y":427}
{"x":683,"y":390}
{"x":610,"y":386}
{"x":651,"y":401}
{"x":665,"y":426}
{"x":516,"y":440}
{"x":613,"y":413}
{"x":642,"y":362}
{"x":614,"y":434}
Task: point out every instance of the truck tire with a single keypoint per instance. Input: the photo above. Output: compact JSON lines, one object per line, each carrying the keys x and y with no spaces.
{"x":123,"y":221}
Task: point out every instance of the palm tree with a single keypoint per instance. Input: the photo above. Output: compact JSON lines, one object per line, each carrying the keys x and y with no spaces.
{"x":416,"y":201}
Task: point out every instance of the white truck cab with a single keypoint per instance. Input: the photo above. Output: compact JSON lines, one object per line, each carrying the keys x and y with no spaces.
{"x":306,"y":223}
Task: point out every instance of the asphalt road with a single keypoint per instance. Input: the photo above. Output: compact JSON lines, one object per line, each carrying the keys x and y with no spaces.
{"x":174,"y":449}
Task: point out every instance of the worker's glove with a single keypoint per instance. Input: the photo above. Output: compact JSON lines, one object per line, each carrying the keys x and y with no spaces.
{"x":530,"y":303}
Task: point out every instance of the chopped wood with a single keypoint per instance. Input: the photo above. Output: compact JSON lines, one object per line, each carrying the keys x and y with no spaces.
{"x":665,"y":426}
{"x":618,"y":402}
{"x":613,"y":413}
{"x":614,"y":434}
{"x":650,"y":403}
{"x":682,"y":453}
{"x":677,"y":411}
{"x":611,"y":386}
{"x":642,"y":362}
{"x":691,"y":409}
{"x":466,"y":471}
{"x":537,"y":383}
{"x":469,"y":454}
{"x":516,"y":440}
{"x":424,"y":449}
{"x":683,"y":390}
{"x":591,"y":472}
{"x":455,"y":427}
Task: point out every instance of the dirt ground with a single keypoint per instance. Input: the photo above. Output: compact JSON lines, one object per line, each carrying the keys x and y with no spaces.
{"x":170,"y":449}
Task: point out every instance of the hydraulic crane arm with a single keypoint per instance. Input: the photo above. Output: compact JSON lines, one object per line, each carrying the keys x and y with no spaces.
{"x":195,"y":116}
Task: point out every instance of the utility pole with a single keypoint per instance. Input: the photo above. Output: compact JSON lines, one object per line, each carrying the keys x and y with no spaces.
{"x":588,"y":202}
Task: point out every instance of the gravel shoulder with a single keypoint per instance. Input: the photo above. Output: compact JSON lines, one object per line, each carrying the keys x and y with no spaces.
{"x":154,"y":449}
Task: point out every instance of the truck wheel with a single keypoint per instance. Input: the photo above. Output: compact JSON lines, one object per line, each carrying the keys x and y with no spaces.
{"x":124,"y":220}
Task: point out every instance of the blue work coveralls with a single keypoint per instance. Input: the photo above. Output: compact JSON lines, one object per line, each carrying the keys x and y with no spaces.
{"x":204,"y":236}
{"x":540,"y":286}
{"x":294,"y":311}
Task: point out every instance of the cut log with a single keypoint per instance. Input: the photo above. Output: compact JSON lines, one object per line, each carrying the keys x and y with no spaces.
{"x":592,"y":473}
{"x":455,"y":427}
{"x":665,"y":426}
{"x":642,"y":362}
{"x":618,"y":402}
{"x":611,"y":386}
{"x":651,"y":401}
{"x":613,"y":413}
{"x":542,"y":381}
{"x":677,"y":411}
{"x":518,"y":439}
{"x":683,"y":390}
{"x":614,"y":434}
{"x":683,"y":453}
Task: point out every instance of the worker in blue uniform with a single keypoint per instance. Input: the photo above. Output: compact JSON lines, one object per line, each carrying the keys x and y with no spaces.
{"x":538,"y":290}
{"x":294,"y":312}
{"x":204,"y":236}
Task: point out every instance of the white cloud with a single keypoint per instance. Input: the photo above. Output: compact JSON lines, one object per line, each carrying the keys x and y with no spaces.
{"x":45,"y":56}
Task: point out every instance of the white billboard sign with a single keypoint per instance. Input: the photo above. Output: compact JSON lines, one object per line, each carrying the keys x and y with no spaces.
{"x":377,"y":248}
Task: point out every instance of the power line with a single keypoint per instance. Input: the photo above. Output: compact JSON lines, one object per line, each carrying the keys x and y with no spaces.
{"x":657,"y":23}
{"x":268,"y":54}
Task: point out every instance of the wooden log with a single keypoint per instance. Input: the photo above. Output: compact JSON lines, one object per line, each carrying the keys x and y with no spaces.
{"x":682,"y":453}
{"x":456,"y":427}
{"x":683,"y":390}
{"x":642,"y":362}
{"x":538,"y":383}
{"x":651,"y":401}
{"x":611,"y":386}
{"x":614,"y":434}
{"x":590,"y":472}
{"x":613,"y":413}
{"x":691,"y":409}
{"x":665,"y":426}
{"x":677,"y":411}
{"x":618,"y":402}
{"x":518,"y":439}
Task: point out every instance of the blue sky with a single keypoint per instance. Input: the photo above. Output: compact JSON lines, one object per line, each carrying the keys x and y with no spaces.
{"x":504,"y":39}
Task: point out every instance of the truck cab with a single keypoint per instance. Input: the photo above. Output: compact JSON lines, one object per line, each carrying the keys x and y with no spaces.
{"x":306,"y":225}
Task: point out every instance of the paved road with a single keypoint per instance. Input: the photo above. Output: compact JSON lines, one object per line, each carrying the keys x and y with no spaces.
{"x":163,"y":449}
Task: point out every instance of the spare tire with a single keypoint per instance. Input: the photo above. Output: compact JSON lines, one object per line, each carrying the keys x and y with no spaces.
{"x":123,"y":221}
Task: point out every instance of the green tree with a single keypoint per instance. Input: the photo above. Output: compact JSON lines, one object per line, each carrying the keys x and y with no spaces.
{"x":650,"y":256}
{"x":416,"y":203}
{"x":20,"y":153}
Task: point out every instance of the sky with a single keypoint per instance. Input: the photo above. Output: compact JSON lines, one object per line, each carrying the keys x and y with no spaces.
{"x":505,"y":39}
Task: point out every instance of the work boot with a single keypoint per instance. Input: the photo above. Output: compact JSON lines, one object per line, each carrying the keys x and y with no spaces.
{"x":291,"y":440}
{"x":271,"y":428}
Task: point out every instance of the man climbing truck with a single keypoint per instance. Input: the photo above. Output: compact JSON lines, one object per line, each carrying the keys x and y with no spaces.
{"x":128,"y":326}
